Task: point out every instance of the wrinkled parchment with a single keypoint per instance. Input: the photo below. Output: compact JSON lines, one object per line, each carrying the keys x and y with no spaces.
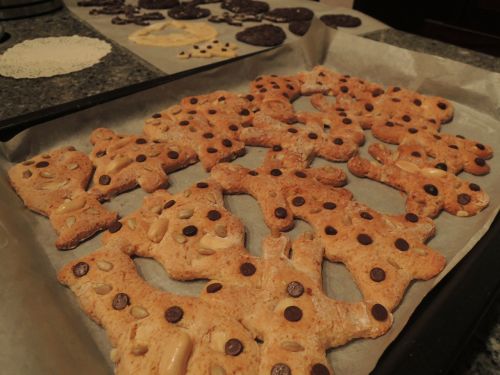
{"x":473,"y":91}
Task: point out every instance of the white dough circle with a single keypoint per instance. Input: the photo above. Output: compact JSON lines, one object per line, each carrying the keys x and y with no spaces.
{"x":193,"y":32}
{"x":47,"y":57}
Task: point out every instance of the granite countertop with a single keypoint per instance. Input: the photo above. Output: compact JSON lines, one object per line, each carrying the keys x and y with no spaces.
{"x":121,"y":68}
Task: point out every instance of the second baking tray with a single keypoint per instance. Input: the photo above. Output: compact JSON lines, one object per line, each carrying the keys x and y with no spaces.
{"x":30,"y":238}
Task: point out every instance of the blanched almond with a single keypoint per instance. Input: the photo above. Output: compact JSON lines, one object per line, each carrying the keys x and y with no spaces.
{"x":104,"y":265}
{"x":158,"y":229}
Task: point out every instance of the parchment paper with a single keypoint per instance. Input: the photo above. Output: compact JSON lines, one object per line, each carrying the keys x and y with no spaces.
{"x":164,"y":58}
{"x":473,"y":91}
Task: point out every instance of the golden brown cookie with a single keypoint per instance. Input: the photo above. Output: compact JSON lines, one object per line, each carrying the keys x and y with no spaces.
{"x":124,"y":162}
{"x":53,"y":184}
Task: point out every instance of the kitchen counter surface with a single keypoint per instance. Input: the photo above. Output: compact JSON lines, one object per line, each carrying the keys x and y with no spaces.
{"x":121,"y":68}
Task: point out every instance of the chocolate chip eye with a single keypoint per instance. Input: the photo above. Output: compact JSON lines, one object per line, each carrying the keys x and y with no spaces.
{"x":281,"y":369}
{"x":140,"y":141}
{"x":390,"y":124}
{"x":104,"y":180}
{"x":338,"y":141}
{"x":312,"y":136}
{"x":214,"y":215}
{"x":442,"y":106}
{"x":442,"y":166}
{"x":329,"y":206}
{"x":480,"y":162}
{"x":140,"y":158}
{"x":247,"y":269}
{"x":431,"y":189}
{"x":412,"y":218}
{"x":347,"y":121}
{"x":298,"y":201}
{"x":344,"y":89}
{"x":80,"y":269}
{"x":379,"y":312}
{"x":364,"y":239}
{"x":331,"y":231}
{"x":276,"y":172}
{"x":295,"y":289}
{"x":193,"y":100}
{"x":401,"y":244}
{"x":474,"y":187}
{"x":184,"y":123}
{"x":280,"y":213}
{"x":120,"y":301}
{"x":190,"y":231}
{"x":417,"y":102}
{"x":463,"y":199}
{"x":412,"y":130}
{"x":406,"y":118}
{"x":369,"y":107}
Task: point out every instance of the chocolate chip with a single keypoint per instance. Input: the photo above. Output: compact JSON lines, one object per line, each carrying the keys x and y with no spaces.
{"x":174,"y":314}
{"x":104,"y":179}
{"x":80,"y":269}
{"x":253,"y":173}
{"x":480,"y":146}
{"x":379,"y":312}
{"x":401,"y":244}
{"x":193,"y":100}
{"x":214,"y":215}
{"x":292,"y":313}
{"x":115,"y":227}
{"x":463,"y":199}
{"x":417,"y":102}
{"x":27,"y":173}
{"x":377,"y":274}
{"x":156,"y":115}
{"x":292,"y":130}
{"x":431,"y":189}
{"x":208,"y":135}
{"x":233,"y":347}
{"x":460,"y":136}
{"x":140,"y":158}
{"x":331,"y":231}
{"x":329,"y":205}
{"x":442,"y":106}
{"x":480,"y":162}
{"x":277,"y":148}
{"x":263,"y":89}
{"x":250,"y":97}
{"x":312,"y":136}
{"x":396,"y":89}
{"x":244,"y":112}
{"x":202,"y":185}
{"x":190,"y":231}
{"x":453,"y":146}
{"x":406,"y":118}
{"x":396,"y":100}
{"x":377,"y":92}
{"x":474,"y":187}
{"x":280,"y":213}
{"x":214,"y":287}
{"x":319,"y":369}
{"x":184,"y":123}
{"x":366,"y":215}
{"x":276,"y":172}
{"x":192,"y":112}
{"x":412,"y":130}
{"x":347,"y":121}
{"x":211,"y":150}
{"x":247,"y":269}
{"x":169,"y":204}
{"x":300,"y":174}
{"x":212,"y":111}
{"x":344,"y":89}
{"x":389,"y":124}
{"x":233,"y":127}
{"x":295,"y":289}
{"x":364,"y":239}
{"x":338,"y":141}
{"x":42,"y":164}
{"x":369,"y":107}
{"x":412,"y":218}
{"x":298,"y":201}
{"x":100,"y":153}
{"x":120,"y":301}
{"x":173,"y":154}
{"x":342,"y":114}
{"x":281,"y":369}
{"x":441,"y":166}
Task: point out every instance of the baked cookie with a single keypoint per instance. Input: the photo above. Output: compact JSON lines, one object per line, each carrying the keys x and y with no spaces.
{"x":245,"y":6}
{"x":125,"y":162}
{"x":340,"y":20}
{"x":429,"y":190}
{"x":153,"y":330}
{"x":299,"y":28}
{"x":296,"y":146}
{"x":158,"y":4}
{"x":188,"y":12}
{"x":213,"y":48}
{"x":262,"y":35}
{"x":285,"y":15}
{"x":384,"y":253}
{"x":191,"y":127}
{"x":53,"y":184}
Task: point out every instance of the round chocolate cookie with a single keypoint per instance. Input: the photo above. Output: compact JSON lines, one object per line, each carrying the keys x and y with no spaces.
{"x":342,"y":20}
{"x":245,"y":6}
{"x":299,"y":28}
{"x":289,"y":14}
{"x":158,"y":4}
{"x":262,"y":35}
{"x":188,"y":12}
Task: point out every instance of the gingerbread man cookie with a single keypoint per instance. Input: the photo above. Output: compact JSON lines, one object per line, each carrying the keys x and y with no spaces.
{"x":123,"y":162}
{"x":383,"y":253}
{"x":53,"y":184}
{"x":429,"y":190}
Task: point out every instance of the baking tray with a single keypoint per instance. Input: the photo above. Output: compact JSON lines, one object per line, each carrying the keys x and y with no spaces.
{"x":32,"y":259}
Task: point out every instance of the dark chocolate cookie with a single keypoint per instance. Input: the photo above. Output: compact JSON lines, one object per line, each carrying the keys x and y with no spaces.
{"x":188,"y":12}
{"x":289,"y":14}
{"x":342,"y":20}
{"x":262,"y":35}
{"x":158,"y":4}
{"x":299,"y":28}
{"x":245,"y":6}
